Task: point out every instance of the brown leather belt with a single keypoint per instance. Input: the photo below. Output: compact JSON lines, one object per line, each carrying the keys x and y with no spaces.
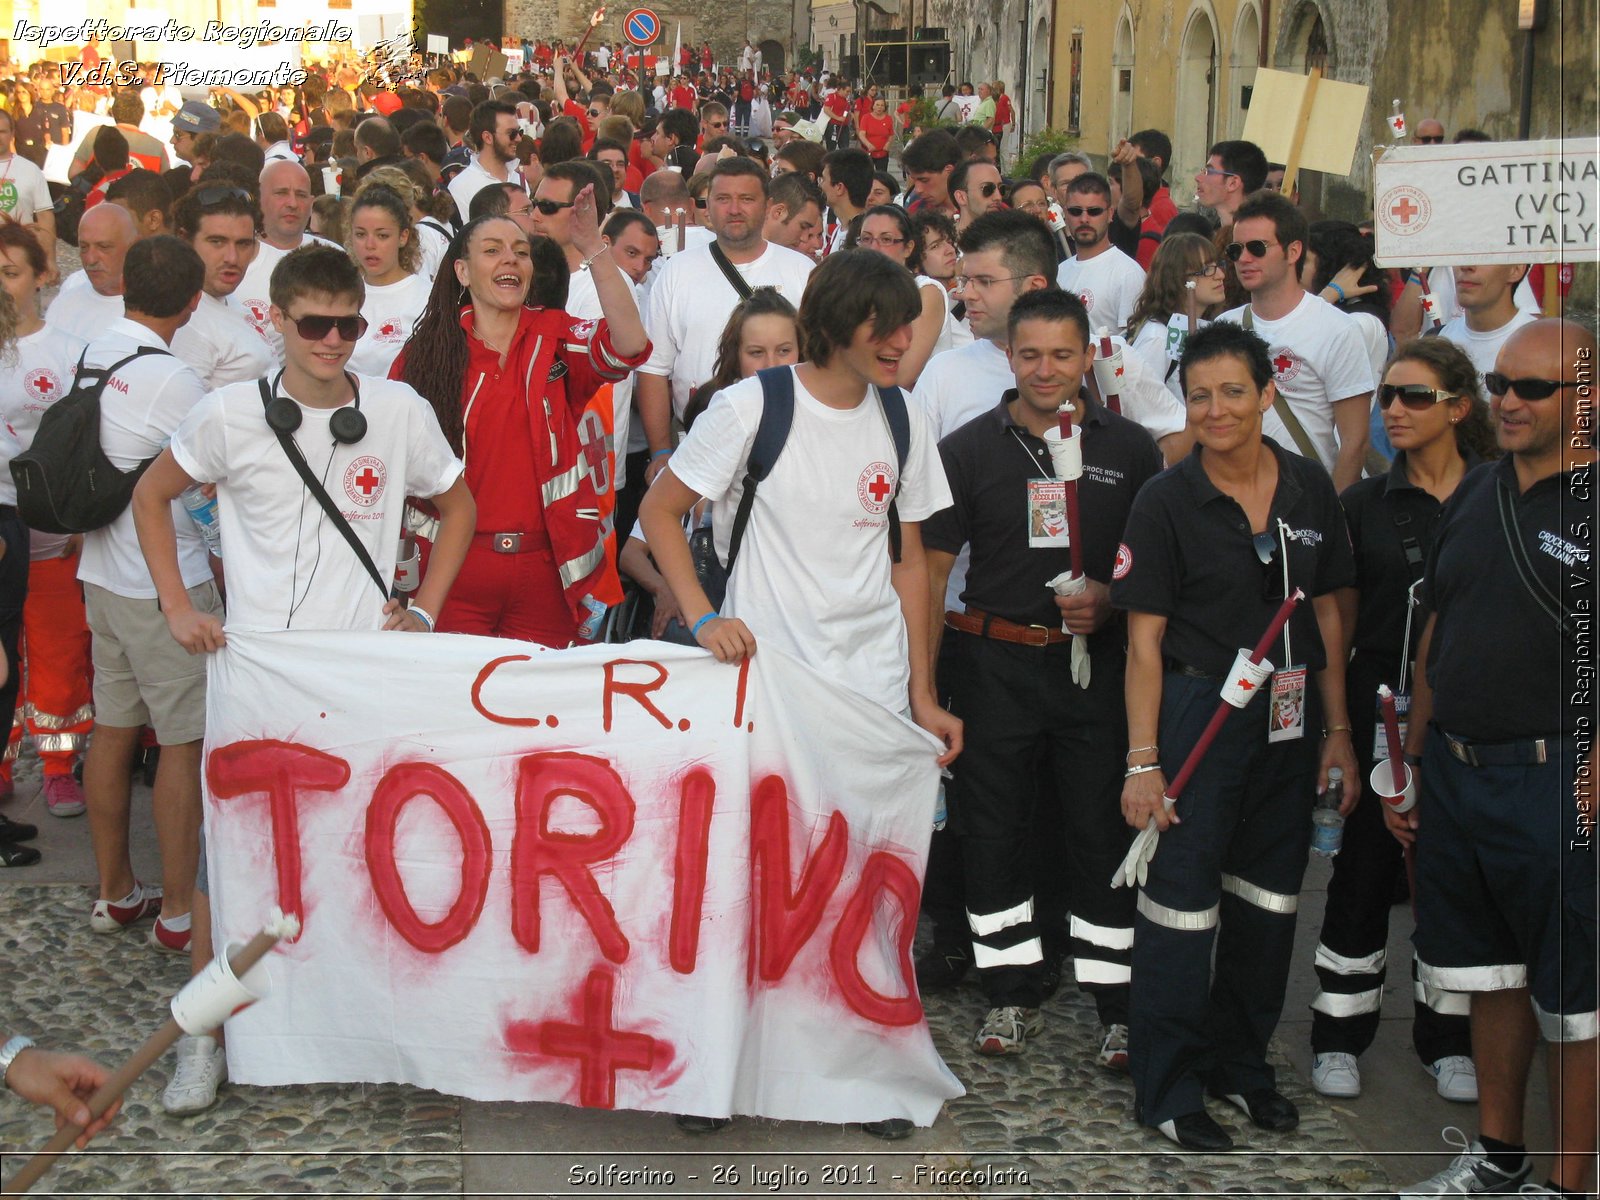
{"x":984,"y":625}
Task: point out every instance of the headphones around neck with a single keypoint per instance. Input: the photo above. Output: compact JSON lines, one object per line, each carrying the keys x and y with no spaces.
{"x":347,"y":425}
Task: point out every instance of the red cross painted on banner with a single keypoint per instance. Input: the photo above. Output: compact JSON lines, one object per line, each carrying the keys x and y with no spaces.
{"x":600,"y":1049}
{"x":1405,"y":210}
{"x":879,"y":487}
{"x":367,"y":481}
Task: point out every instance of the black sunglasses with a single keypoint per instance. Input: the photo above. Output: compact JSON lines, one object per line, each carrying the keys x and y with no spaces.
{"x":1526,"y":389}
{"x":987,"y":190}
{"x":1415,"y":396}
{"x":701,"y":202}
{"x":551,"y":207}
{"x":1431,"y":141}
{"x":1078,"y":211}
{"x":316,"y":326}
{"x":217,"y":193}
{"x":1266,"y":548}
{"x":1257,"y":247}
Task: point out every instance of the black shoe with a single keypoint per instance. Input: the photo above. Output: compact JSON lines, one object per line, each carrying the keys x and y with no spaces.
{"x":1196,"y":1131}
{"x":942,"y":968}
{"x":1266,"y":1108}
{"x":1050,"y":971}
{"x":690,"y":1123}
{"x":893,"y":1130}
{"x":14,"y":854}
{"x":16,"y":831}
{"x":152,"y":760}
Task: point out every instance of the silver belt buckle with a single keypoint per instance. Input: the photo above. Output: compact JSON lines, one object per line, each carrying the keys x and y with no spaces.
{"x":507,"y":543}
{"x":1461,"y":751}
{"x":1540,"y":751}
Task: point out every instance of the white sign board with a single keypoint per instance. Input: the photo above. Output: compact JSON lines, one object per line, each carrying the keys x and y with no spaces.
{"x":438,"y":43}
{"x":1486,"y":202}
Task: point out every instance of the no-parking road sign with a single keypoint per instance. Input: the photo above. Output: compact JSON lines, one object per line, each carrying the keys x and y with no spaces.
{"x":641,"y":27}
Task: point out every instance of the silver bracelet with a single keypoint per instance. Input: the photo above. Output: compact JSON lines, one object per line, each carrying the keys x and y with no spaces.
{"x":1141,"y":770}
{"x":9,"y":1052}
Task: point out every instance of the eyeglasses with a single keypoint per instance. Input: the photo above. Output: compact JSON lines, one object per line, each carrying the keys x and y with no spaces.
{"x":983,"y":281}
{"x":1256,"y":247}
{"x":870,"y":240}
{"x":551,"y":207}
{"x":315,"y":328}
{"x":987,"y":190}
{"x":1079,"y":211}
{"x":1219,"y":171}
{"x":217,"y":193}
{"x":1266,"y":548}
{"x":1415,"y":396}
{"x":701,"y":202}
{"x":1432,"y":140}
{"x":1525,"y":389}
{"x":1208,"y":270}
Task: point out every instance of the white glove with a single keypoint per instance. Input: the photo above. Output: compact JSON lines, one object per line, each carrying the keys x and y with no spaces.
{"x":1068,"y":584}
{"x":1136,"y":865}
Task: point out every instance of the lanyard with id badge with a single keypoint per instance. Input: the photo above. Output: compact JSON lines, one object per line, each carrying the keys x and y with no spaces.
{"x":1286,"y":715}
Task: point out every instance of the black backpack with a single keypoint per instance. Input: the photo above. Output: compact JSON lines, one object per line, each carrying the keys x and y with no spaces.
{"x":777,"y":414}
{"x":65,"y":482}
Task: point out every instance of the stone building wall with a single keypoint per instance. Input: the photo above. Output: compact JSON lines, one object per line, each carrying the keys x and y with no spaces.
{"x":725,"y":22}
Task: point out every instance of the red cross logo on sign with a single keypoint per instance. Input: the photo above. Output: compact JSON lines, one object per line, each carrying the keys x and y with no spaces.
{"x":875,"y":487}
{"x":364,"y":479}
{"x":1404,"y":210}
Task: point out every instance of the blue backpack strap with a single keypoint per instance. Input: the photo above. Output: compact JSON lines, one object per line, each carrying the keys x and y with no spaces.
{"x":777,"y":415}
{"x":894,"y":412}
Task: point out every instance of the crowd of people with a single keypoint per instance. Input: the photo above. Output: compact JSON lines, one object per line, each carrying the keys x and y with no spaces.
{"x":557,"y":309}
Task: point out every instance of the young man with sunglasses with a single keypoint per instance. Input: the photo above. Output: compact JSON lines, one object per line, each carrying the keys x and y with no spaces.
{"x":1211,"y":549}
{"x":220,"y":222}
{"x":1489,"y":311}
{"x":1320,"y":365}
{"x":1103,"y":277}
{"x":299,"y":574}
{"x":1504,"y":825}
{"x":975,"y":190}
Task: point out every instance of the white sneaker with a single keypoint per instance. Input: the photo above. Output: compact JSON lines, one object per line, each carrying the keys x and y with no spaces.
{"x":201,"y":1068}
{"x":1335,"y":1074}
{"x":1470,"y":1173}
{"x":1457,"y":1078}
{"x":1006,"y":1030}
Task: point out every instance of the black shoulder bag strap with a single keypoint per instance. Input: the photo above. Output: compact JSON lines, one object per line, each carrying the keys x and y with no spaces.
{"x":777,"y":414}
{"x":303,"y":469}
{"x":1280,"y":406}
{"x":736,"y":280}
{"x":1410,"y":544}
{"x":894,"y":412}
{"x":1519,"y":556}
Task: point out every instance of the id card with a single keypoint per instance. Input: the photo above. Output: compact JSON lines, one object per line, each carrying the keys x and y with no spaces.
{"x":1380,"y":736}
{"x":1286,"y":716}
{"x":1047,"y":513}
{"x":1178,"y":334}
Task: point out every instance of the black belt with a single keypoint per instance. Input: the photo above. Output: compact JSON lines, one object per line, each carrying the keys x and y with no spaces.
{"x":1524,"y":752}
{"x":8,"y":510}
{"x":1184,"y":669}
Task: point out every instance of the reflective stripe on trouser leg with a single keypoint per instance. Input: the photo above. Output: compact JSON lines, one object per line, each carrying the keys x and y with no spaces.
{"x":1101,"y":954}
{"x":1350,"y":986}
{"x":1005,"y":938}
{"x":1440,"y":1000}
{"x":1574,"y":1027}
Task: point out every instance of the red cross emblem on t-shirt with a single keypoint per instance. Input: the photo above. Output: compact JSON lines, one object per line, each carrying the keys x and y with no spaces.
{"x":879,"y":487}
{"x":1282,"y":363}
{"x":367,"y":481}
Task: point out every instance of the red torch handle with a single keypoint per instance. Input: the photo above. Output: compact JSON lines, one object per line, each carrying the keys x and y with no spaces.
{"x":1391,"y":732}
{"x":1074,"y":542}
{"x":1214,"y":726}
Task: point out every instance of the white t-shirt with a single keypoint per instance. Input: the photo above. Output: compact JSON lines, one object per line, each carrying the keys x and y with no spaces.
{"x":1318,"y":358}
{"x":1149,"y":346}
{"x":38,"y":375}
{"x":140,"y":407}
{"x":23,"y":191}
{"x":813,"y":571}
{"x":432,"y":240}
{"x":950,"y":332}
{"x":280,"y":152}
{"x":81,"y":311}
{"x":959,"y":384}
{"x":391,"y":312}
{"x":472,"y":179}
{"x":1108,"y":284}
{"x":305,"y":575}
{"x":221,"y":345}
{"x":690,"y":304}
{"x":583,"y":301}
{"x":1442,"y":283}
{"x":253,"y":297}
{"x":1484,"y":348}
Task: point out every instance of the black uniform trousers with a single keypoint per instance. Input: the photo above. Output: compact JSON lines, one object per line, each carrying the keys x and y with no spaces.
{"x":1235,"y":862}
{"x":1351,"y":952}
{"x":1019,"y":703}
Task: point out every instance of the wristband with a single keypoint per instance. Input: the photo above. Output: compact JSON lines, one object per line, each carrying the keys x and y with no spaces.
{"x":9,"y":1052}
{"x":695,"y":632}
{"x":659,"y":453}
{"x":422,"y":613}
{"x":1335,"y":729}
{"x":1331,"y":284}
{"x":1141,"y":770}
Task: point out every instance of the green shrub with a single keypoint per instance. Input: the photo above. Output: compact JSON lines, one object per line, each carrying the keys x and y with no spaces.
{"x":1044,"y":141}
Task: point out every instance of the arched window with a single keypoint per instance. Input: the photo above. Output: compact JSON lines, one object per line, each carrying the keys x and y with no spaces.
{"x":1242,"y":61}
{"x":1196,"y":114}
{"x":1122,"y":79}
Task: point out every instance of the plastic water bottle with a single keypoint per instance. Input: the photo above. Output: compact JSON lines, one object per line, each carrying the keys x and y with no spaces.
{"x":1327,"y":825}
{"x":590,"y":628}
{"x":202,"y":510}
{"x":941,"y":812}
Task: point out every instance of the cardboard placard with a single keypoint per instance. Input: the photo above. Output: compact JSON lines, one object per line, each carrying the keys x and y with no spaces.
{"x":487,"y":64}
{"x":1338,"y":113}
{"x":438,"y":44}
{"x":1486,"y":202}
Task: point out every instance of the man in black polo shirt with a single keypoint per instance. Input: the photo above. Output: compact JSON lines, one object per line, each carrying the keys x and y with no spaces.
{"x":1210,"y":550}
{"x":1015,"y":683}
{"x":1503,"y":715}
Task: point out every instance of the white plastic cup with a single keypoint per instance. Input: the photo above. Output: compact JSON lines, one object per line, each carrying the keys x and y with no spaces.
{"x":408,"y":569}
{"x":1066,"y":453}
{"x":1382,"y":782}
{"x":215,"y":994}
{"x":1244,"y":679}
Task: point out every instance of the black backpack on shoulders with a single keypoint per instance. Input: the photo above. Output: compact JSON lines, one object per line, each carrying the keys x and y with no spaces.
{"x":65,"y":482}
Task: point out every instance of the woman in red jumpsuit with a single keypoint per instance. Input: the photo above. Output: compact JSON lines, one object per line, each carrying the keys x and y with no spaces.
{"x":509,"y":381}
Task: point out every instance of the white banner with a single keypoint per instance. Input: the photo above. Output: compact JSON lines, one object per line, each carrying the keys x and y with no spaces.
{"x":616,"y":876}
{"x":1486,"y":202}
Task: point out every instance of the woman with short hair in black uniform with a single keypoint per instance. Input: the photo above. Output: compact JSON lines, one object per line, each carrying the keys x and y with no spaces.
{"x":1437,"y":420}
{"x":1212,"y":547}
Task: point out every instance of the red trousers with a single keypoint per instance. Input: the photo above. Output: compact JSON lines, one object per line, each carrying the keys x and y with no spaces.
{"x":510,"y":596}
{"x":55,"y":705}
